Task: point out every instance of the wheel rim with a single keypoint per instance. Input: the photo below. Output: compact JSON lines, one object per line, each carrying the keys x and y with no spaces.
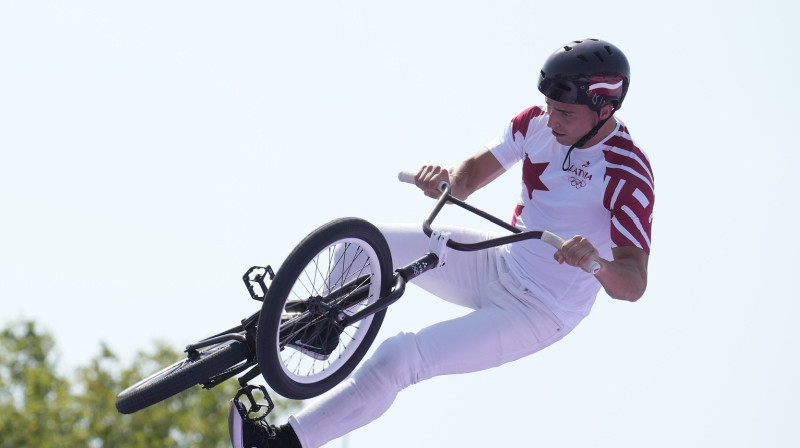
{"x":339,"y":263}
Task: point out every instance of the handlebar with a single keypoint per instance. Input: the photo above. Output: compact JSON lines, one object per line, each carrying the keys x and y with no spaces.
{"x":548,"y":237}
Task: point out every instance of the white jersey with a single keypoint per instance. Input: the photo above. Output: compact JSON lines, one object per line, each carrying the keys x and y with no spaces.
{"x":606,"y":196}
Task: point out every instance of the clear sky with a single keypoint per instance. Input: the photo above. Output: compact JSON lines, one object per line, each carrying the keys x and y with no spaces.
{"x":152,"y":151}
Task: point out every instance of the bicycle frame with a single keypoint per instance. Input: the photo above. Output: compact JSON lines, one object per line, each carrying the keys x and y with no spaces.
{"x":254,"y":280}
{"x":245,"y":333}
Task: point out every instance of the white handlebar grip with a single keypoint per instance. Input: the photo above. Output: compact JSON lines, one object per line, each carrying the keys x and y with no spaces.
{"x":552,"y":239}
{"x":408,"y":177}
{"x":556,"y":241}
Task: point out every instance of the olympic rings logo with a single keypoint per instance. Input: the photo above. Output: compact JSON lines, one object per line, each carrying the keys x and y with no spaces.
{"x":576,"y":182}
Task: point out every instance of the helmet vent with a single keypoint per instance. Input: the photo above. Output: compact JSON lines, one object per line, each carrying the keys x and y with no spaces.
{"x":599,"y":56}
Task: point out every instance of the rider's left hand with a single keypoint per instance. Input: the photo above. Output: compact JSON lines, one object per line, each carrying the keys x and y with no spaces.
{"x":577,"y":251}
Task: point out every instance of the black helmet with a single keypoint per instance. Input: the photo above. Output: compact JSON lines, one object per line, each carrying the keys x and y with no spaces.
{"x":590,"y":71}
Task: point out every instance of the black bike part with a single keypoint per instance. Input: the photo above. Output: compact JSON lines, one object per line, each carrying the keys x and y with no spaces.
{"x":518,"y":235}
{"x":402,"y":276}
{"x":305,"y":343}
{"x":198,"y":368}
{"x":254,"y":281}
{"x":254,"y":405}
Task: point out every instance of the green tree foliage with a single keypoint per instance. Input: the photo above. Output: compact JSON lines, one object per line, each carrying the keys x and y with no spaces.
{"x":39,"y":408}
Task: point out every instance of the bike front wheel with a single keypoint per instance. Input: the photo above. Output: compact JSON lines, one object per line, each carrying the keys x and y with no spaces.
{"x":341,"y":267}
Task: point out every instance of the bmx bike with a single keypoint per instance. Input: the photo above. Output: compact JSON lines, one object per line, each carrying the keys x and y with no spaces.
{"x":319,"y":315}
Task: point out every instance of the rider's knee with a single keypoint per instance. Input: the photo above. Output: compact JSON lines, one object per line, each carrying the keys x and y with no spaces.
{"x":398,"y":359}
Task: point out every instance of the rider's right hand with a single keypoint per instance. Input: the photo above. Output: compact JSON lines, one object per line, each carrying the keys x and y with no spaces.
{"x":429,"y":179}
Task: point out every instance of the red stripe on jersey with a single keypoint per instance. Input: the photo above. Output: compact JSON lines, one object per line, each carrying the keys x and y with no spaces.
{"x":626,"y":145}
{"x":520,"y":122}
{"x":629,"y":194}
{"x":517,"y":213}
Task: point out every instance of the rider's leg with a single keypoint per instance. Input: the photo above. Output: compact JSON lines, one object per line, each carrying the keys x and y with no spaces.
{"x":508,"y":323}
{"x":464,"y":274}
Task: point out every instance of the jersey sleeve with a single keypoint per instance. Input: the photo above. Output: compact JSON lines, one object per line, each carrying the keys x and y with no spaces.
{"x":508,"y":148}
{"x":629,"y":194}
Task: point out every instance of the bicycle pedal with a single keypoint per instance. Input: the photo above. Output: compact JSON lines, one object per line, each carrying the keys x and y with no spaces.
{"x":255,"y":409}
{"x":254,"y":281}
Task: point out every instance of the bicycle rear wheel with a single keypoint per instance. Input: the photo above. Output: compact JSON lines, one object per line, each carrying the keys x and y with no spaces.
{"x":182,"y":375}
{"x":341,"y":267}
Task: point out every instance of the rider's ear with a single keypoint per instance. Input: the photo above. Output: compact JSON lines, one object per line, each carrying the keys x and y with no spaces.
{"x":606,"y":111}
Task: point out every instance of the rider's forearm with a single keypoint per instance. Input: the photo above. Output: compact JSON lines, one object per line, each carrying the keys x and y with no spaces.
{"x":623,"y":279}
{"x":474,"y":173}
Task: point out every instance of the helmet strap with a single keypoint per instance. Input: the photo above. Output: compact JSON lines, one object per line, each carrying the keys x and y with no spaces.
{"x":567,"y":163}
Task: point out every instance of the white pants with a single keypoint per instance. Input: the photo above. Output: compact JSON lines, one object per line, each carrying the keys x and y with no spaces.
{"x":507,"y":323}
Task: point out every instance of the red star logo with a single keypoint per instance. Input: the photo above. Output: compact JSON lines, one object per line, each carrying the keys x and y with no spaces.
{"x":531,"y":176}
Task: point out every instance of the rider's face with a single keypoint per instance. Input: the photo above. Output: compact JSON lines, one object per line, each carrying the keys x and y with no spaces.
{"x":569,"y":122}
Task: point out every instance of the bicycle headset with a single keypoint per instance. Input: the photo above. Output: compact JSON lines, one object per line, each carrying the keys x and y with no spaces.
{"x":591,"y":72}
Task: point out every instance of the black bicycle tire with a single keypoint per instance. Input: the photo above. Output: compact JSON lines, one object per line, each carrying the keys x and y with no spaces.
{"x":187,"y":373}
{"x":268,"y":354}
